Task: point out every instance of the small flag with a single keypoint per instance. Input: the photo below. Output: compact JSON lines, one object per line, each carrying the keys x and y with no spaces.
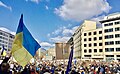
{"x":3,"y":51}
{"x":24,"y":46}
{"x":69,"y":62}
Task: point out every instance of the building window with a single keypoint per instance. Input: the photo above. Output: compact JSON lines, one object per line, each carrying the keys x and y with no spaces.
{"x":100,"y":32}
{"x":100,"y":38}
{"x":118,"y":55}
{"x":109,"y":49}
{"x":87,"y":55}
{"x":117,"y":29}
{"x":117,"y":22}
{"x":90,"y":45}
{"x":109,"y":43}
{"x":117,"y":35}
{"x":95,"y":33}
{"x":85,"y":39}
{"x":100,"y":50}
{"x":85,"y":34}
{"x":117,"y":42}
{"x":85,"y":45}
{"x":85,"y":51}
{"x":108,"y":36}
{"x":108,"y":30}
{"x":89,"y":33}
{"x":89,"y":39}
{"x":100,"y":44}
{"x":105,"y":24}
{"x":109,"y":24}
{"x":95,"y":50}
{"x":90,"y":50}
{"x":95,"y":38}
{"x":1,"y":33}
{"x":109,"y":55}
{"x":95,"y":44}
{"x":117,"y":49}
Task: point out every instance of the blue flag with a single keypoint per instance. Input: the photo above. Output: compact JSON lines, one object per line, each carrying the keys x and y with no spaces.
{"x":69,"y":62}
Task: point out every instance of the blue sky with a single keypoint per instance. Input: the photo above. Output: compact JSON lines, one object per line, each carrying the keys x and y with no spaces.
{"x":51,"y":21}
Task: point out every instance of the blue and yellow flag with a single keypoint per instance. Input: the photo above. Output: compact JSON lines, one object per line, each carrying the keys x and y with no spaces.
{"x":24,"y":46}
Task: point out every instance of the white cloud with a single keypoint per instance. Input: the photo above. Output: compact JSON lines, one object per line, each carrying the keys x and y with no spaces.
{"x":64,"y":32}
{"x":35,"y":1}
{"x":97,"y":19}
{"x":60,"y":39}
{"x":46,"y":7}
{"x":46,"y":44}
{"x":4,"y":5}
{"x":48,"y":35}
{"x":59,"y":30}
{"x":70,"y":32}
{"x":82,"y":9}
{"x":7,"y":30}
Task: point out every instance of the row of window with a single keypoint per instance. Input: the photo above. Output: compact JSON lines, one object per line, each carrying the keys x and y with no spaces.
{"x":100,"y":32}
{"x":111,"y":49}
{"x":106,"y":55}
{"x":111,"y":29}
{"x":90,"y":50}
{"x":3,"y":42}
{"x":94,"y":33}
{"x":90,"y":44}
{"x":95,"y":38}
{"x":108,"y":30}
{"x":3,"y":38}
{"x":3,"y":34}
{"x":106,"y":43}
{"x":106,"y":37}
{"x":112,"y":42}
{"x":110,"y":24}
{"x":100,"y":50}
{"x":112,"y":55}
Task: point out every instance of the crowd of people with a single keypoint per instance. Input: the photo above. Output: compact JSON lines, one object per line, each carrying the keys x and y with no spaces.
{"x":59,"y":67}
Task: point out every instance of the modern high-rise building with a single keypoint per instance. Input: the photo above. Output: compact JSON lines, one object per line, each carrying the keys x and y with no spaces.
{"x":6,"y":39}
{"x":91,"y":42}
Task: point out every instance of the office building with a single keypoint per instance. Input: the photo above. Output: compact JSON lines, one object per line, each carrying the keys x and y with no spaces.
{"x":6,"y":39}
{"x":62,"y":50}
{"x":95,"y":43}
{"x":77,"y":37}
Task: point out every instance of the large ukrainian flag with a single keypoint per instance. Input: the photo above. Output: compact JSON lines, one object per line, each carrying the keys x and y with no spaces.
{"x":24,"y":46}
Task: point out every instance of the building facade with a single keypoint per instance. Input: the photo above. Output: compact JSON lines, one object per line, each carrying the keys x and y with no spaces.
{"x":92,"y":44}
{"x":6,"y":40}
{"x":111,"y":34}
{"x":62,"y":50}
{"x":77,"y":37}
{"x":51,"y":52}
{"x":102,"y":43}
